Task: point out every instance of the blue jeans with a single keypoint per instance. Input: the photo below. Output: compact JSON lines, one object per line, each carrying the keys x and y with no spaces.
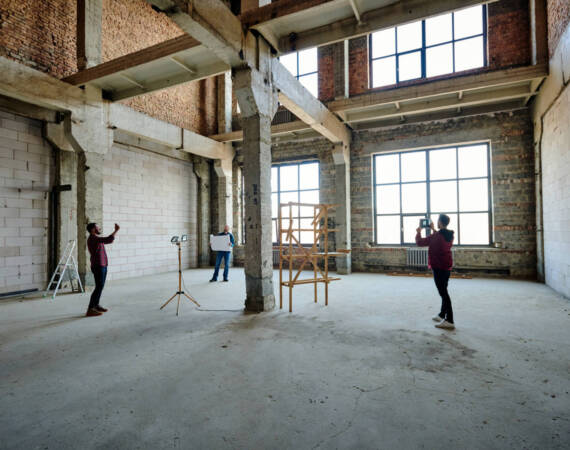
{"x":100,"y":275}
{"x":226,"y":257}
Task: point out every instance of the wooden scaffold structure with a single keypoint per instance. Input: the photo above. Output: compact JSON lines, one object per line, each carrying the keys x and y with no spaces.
{"x":291,"y":249}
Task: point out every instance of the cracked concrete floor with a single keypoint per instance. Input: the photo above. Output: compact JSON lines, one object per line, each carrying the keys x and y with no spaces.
{"x":368,"y":371}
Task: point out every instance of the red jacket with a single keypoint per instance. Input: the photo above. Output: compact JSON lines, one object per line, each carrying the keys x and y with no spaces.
{"x":439,"y":252}
{"x":96,"y":246}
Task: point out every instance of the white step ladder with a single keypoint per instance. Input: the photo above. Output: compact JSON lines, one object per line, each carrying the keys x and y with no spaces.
{"x":67,"y":264}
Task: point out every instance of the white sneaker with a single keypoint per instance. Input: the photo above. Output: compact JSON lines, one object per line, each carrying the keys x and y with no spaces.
{"x":437,"y":318}
{"x":445,"y":325}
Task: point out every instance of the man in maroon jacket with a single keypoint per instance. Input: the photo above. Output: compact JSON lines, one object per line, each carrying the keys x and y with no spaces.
{"x":99,"y":262}
{"x":440,"y":261}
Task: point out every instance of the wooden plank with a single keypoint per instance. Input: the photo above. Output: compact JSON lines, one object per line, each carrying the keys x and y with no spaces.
{"x":131,"y":60}
{"x":310,"y":280}
{"x":277,"y":9}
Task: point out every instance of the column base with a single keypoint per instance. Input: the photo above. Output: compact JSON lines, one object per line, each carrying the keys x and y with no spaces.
{"x":260,"y":303}
{"x":343,"y":265}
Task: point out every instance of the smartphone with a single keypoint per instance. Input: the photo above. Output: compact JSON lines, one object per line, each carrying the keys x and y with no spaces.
{"x":425,"y":223}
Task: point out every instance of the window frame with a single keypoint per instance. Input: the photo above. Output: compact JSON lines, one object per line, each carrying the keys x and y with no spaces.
{"x":423,"y":50}
{"x":428,"y":182}
{"x":298,"y":75}
{"x":298,"y":190}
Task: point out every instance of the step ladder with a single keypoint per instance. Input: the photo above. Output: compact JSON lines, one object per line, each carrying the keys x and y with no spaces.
{"x":67,"y":265}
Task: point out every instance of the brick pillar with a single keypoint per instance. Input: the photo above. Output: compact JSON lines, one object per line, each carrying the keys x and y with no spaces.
{"x":202,"y":171}
{"x":341,"y":158}
{"x":258,"y":103}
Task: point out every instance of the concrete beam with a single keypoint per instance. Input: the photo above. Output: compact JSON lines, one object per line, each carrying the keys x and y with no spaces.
{"x":89,"y":14}
{"x":276,"y":130}
{"x":398,"y":13}
{"x":301,"y":102}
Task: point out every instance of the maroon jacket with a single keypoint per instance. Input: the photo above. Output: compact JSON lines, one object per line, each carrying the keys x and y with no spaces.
{"x":96,"y":246}
{"x":439,"y":252}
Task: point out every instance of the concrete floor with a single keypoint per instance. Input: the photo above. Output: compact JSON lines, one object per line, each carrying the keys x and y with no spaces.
{"x":368,"y":371}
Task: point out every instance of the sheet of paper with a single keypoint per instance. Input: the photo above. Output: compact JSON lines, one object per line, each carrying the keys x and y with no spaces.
{"x":221,"y":243}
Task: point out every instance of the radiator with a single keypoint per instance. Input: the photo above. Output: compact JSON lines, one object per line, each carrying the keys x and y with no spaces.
{"x":275,"y":257}
{"x":416,"y":257}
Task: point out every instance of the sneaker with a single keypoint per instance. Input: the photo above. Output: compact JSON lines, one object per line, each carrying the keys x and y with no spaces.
{"x":226,"y":280}
{"x":445,"y":325}
{"x":437,"y":318}
{"x":212,"y":280}
{"x":91,"y":312}
{"x":101,"y":309}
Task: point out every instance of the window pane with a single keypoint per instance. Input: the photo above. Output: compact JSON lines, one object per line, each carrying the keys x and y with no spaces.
{"x":288,"y":178}
{"x":384,"y":72}
{"x":274,"y":179}
{"x":414,"y":166}
{"x":308,"y":61}
{"x":469,"y":54}
{"x":307,"y":236}
{"x":274,"y":226}
{"x":384,"y":43}
{"x":452,"y":222}
{"x":474,"y":229}
{"x":438,"y":29}
{"x":409,"y":36}
{"x":308,"y":197}
{"x":274,"y":205}
{"x":468,"y":22}
{"x":387,"y":169}
{"x":410,"y":66}
{"x":287,"y":197}
{"x":388,"y":199}
{"x":473,"y":195}
{"x":414,"y":198}
{"x":473,"y":161}
{"x":388,"y":229}
{"x":443,"y":196}
{"x":290,"y":62}
{"x":442,"y":164}
{"x":311,"y":83}
{"x":410,"y":225}
{"x":309,"y":176}
{"x":439,"y":60}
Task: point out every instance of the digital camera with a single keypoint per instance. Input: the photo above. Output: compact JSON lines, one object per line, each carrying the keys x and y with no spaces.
{"x":425,"y":223}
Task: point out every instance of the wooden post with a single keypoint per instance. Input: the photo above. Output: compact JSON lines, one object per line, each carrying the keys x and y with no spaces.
{"x":280,"y":242}
{"x":290,"y":258}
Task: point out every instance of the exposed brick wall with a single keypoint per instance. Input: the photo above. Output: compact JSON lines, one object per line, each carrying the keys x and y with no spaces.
{"x":508,"y":33}
{"x":153,"y":198}
{"x":558,"y":13}
{"x":512,"y":168}
{"x":326,"y":72}
{"x":26,"y":173}
{"x":40,"y":34}
{"x":131,"y":25}
{"x":358,"y":65}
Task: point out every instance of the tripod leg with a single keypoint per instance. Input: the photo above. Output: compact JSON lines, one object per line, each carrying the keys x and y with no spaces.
{"x":191,"y":299}
{"x":178,"y":305}
{"x":168,"y":301}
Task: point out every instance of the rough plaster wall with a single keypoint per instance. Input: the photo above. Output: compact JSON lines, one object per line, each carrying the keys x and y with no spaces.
{"x":153,"y":198}
{"x":558,"y":16}
{"x":556,"y":193}
{"x":40,"y":34}
{"x":132,"y":25}
{"x":512,"y":168}
{"x":26,"y":172}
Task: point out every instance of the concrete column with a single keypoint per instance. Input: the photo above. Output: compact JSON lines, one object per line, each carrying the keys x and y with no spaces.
{"x":89,"y":13}
{"x":225,"y":102}
{"x":258,"y":102}
{"x":236,"y":196}
{"x":223,"y":169}
{"x":202,"y":171}
{"x":341,"y":157}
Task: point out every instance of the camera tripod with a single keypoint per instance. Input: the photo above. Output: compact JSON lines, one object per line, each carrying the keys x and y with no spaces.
{"x":180,"y":291}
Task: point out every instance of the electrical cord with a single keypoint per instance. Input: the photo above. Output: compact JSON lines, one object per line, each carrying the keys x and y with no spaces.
{"x":209,"y":310}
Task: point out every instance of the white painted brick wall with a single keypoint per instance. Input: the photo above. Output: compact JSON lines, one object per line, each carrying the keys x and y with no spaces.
{"x":26,"y":170}
{"x":556,"y":194}
{"x":153,"y":198}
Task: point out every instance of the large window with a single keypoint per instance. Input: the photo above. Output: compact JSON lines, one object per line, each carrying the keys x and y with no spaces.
{"x":297,"y":183}
{"x":443,"y":44}
{"x":304,"y":66}
{"x":425,"y":183}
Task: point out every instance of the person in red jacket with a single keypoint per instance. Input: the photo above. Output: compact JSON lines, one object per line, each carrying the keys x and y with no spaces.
{"x":99,"y":262}
{"x":441,"y":262}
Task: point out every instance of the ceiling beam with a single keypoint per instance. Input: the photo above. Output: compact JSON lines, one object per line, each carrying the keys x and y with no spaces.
{"x":131,"y":60}
{"x":298,"y":100}
{"x":276,"y":130}
{"x":398,"y":13}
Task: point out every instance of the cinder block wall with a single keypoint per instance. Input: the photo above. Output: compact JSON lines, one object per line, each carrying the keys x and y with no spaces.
{"x":153,"y":198}
{"x":26,"y":173}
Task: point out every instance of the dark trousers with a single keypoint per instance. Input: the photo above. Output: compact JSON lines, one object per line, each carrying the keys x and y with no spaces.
{"x":441,"y":278}
{"x":100,"y":274}
{"x":226,"y":257}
